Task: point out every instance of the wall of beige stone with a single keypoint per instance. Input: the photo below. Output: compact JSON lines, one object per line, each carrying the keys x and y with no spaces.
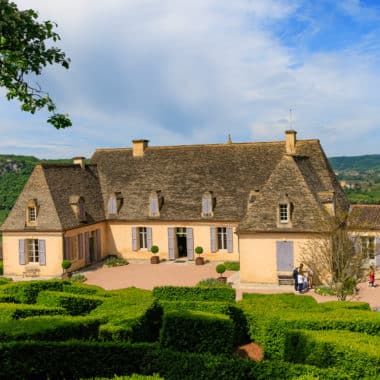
{"x":119,"y":240}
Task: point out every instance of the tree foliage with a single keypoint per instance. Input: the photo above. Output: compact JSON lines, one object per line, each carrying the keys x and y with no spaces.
{"x":333,"y":256}
{"x":24,"y":53}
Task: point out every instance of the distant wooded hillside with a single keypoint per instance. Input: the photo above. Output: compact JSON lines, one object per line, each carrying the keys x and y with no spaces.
{"x":356,"y":163}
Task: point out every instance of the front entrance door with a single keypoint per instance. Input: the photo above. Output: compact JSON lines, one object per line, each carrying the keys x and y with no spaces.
{"x":181,"y":242}
{"x":91,"y":247}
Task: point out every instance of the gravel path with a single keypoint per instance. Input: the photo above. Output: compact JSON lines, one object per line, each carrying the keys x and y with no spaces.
{"x":146,"y":276}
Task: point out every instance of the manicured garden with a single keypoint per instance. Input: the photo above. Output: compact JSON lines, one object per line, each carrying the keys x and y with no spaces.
{"x":60,"y":329}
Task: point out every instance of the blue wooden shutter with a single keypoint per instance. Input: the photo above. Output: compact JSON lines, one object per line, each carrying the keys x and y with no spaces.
{"x":213,"y":237}
{"x":112,"y":206}
{"x":80,"y":246}
{"x":284,"y":253}
{"x":206,"y":206}
{"x":171,"y":243}
{"x":21,"y":252}
{"x":134,"y":239}
{"x":87,"y":247}
{"x":230,"y":240}
{"x":377,"y":251}
{"x":98,"y":244}
{"x":149,"y":238}
{"x":153,"y":205}
{"x":42,"y":252}
{"x":190,"y":243}
{"x":66,"y":249}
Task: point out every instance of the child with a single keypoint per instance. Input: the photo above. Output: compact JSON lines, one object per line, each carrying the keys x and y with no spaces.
{"x":300,"y":282}
{"x":371,"y":281}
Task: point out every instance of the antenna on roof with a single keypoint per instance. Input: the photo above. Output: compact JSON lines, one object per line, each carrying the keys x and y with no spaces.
{"x":229,"y":141}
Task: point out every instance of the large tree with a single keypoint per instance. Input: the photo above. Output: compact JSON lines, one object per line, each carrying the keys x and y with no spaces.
{"x":333,"y":256}
{"x":27,"y":46}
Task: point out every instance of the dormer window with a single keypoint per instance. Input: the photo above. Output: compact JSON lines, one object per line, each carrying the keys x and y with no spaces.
{"x":114,"y":203}
{"x":284,"y":213}
{"x":78,"y":206}
{"x":207,"y":204}
{"x":155,"y":203}
{"x":31,"y":213}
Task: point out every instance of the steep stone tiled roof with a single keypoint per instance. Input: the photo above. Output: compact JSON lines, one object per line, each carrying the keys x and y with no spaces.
{"x":52,"y":185}
{"x":364,"y":217}
{"x":183,"y":174}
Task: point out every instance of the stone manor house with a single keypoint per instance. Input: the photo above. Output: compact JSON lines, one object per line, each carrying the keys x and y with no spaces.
{"x":256,"y":203}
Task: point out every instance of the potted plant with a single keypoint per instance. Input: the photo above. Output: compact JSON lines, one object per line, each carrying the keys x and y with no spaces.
{"x":155,"y":259}
{"x":199,"y":260}
{"x":66,"y":264}
{"x":221,"y":268}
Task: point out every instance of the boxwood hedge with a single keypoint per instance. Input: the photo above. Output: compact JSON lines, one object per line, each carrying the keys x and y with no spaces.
{"x":195,"y":331}
{"x":75,"y":304}
{"x":356,"y":354}
{"x":16,"y":311}
{"x":197,"y":293}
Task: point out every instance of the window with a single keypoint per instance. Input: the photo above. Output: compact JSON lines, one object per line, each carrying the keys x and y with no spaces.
{"x":73,"y":248}
{"x":112,"y":209}
{"x":222,"y":238}
{"x":32,"y":251}
{"x":207,"y":204}
{"x":368,"y":246}
{"x":284,"y":213}
{"x":143,"y":238}
{"x":32,"y":214}
{"x":155,"y":203}
{"x":82,"y":211}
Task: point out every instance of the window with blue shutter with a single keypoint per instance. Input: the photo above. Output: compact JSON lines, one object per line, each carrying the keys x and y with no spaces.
{"x":134,"y":239}
{"x":230,"y":237}
{"x":207,"y":209}
{"x":190,"y":243}
{"x":42,"y":252}
{"x":21,"y":252}
{"x":171,"y":243}
{"x":148,"y":238}
{"x":285,"y":256}
{"x":213,"y":239}
{"x":377,"y":250}
{"x":112,"y":206}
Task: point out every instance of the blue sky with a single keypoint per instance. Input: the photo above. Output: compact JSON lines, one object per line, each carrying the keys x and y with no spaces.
{"x":193,"y":71}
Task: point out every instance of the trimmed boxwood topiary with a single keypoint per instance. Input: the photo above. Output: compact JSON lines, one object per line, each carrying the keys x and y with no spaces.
{"x":197,"y":293}
{"x":195,"y":331}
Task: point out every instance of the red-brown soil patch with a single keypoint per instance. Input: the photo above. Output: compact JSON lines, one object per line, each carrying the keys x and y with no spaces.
{"x":251,"y":351}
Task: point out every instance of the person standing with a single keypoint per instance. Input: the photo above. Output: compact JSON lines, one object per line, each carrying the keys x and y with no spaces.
{"x":300,"y":282}
{"x":371,"y":281}
{"x":295,"y":278}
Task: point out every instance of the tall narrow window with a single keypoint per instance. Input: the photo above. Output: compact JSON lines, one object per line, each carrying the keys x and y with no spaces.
{"x":155,"y":203}
{"x":82,"y":210}
{"x":143,"y":238}
{"x":284,"y":213}
{"x":207,"y":204}
{"x":222,"y":238}
{"x":112,"y":208}
{"x":32,"y":214}
{"x":32,"y":251}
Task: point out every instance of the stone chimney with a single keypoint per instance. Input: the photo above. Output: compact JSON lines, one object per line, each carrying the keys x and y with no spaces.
{"x":290,"y":140}
{"x":79,"y":161}
{"x":138,"y":147}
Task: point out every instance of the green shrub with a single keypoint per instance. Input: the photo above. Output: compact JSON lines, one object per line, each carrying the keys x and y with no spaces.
{"x":49,"y":328}
{"x":78,"y":359}
{"x":232,"y":265}
{"x":17,"y":311}
{"x":115,"y":262}
{"x":27,"y":291}
{"x":270,"y":317}
{"x":66,"y":264}
{"x":75,"y":304}
{"x":78,"y":288}
{"x":77,"y":277}
{"x":356,"y":354}
{"x":220,"y":268}
{"x":198,"y":250}
{"x":154,"y":249}
{"x":195,"y":331}
{"x":133,"y":377}
{"x":130,"y":315}
{"x":324,"y":290}
{"x":1,"y":267}
{"x":187,"y":293}
{"x":212,"y":282}
{"x":5,"y":281}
